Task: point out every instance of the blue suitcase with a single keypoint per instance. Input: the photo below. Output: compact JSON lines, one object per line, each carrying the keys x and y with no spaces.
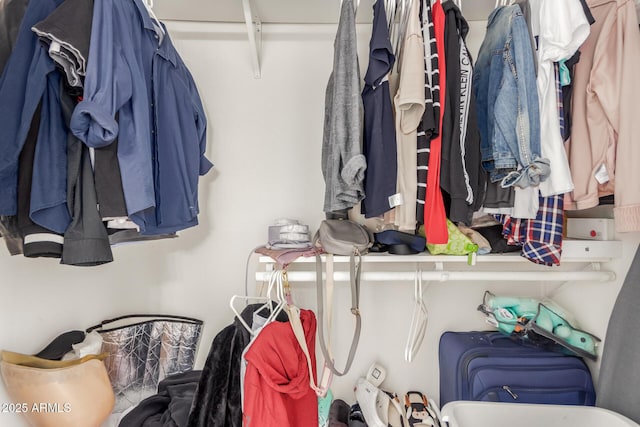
{"x":490,"y":366}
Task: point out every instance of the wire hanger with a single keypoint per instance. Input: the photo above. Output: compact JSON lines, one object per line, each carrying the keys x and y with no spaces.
{"x":419,"y":319}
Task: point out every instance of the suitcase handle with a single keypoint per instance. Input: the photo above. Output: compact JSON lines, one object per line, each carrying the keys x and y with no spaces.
{"x":498,"y":336}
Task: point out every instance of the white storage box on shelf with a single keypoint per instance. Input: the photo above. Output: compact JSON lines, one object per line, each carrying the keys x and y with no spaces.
{"x":490,"y":414}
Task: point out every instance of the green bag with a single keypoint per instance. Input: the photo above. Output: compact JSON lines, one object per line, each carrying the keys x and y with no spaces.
{"x":458,"y":243}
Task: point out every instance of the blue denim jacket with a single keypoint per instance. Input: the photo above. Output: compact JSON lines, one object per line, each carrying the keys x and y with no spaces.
{"x":507,"y":102}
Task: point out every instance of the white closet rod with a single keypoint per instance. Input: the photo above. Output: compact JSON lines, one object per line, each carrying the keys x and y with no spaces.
{"x":463,"y":276}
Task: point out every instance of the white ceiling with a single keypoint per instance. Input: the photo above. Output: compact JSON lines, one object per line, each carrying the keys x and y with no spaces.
{"x":285,"y":11}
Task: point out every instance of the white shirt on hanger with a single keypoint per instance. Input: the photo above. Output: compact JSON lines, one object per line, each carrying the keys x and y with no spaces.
{"x":560,"y":28}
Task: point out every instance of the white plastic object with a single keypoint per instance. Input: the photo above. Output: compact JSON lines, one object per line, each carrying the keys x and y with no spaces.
{"x":590,"y":228}
{"x":491,"y":414}
{"x":376,"y":374}
{"x":419,"y":319}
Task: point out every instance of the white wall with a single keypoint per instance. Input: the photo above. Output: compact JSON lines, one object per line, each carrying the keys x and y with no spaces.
{"x":265,"y":141}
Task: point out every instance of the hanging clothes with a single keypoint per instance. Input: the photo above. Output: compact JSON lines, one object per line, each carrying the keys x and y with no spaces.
{"x":120,"y":83}
{"x":145,"y":93}
{"x":409,"y":104}
{"x":541,"y":237}
{"x":560,"y":29}
{"x":498,"y":199}
{"x":217,"y":401}
{"x":37,"y":241}
{"x":379,"y":129}
{"x":86,"y":242}
{"x":159,"y":110}
{"x":525,"y":7}
{"x":343,"y":164}
{"x":277,"y":392}
{"x":11,"y":14}
{"x":67,"y":33}
{"x":429,"y":126}
{"x":435,"y":218}
{"x":28,"y":76}
{"x":567,"y":87}
{"x":506,"y":103}
{"x":603,"y":149}
{"x":461,"y":177}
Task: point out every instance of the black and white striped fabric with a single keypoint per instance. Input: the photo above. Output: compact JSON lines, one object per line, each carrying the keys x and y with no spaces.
{"x":429,"y":126}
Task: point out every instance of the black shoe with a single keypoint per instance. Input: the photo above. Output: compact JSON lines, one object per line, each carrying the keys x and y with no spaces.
{"x":339,"y":413}
{"x":356,"y":419}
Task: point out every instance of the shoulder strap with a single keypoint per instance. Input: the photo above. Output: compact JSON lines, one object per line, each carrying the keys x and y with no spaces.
{"x":298,"y":331}
{"x":354,"y":269}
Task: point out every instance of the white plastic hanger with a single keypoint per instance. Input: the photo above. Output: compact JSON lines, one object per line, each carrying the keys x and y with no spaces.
{"x":148,"y":4}
{"x":419,"y":320}
{"x":232,"y":301}
{"x":279,"y":277}
{"x":268,"y":300}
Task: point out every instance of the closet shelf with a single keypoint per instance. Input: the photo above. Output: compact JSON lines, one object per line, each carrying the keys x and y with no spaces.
{"x":286,"y":11}
{"x":455,"y":268}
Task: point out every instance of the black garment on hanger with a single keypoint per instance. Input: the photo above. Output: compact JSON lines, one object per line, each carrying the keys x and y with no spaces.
{"x":86,"y":242}
{"x":46,"y":243}
{"x":68,"y":29}
{"x":461,"y":174}
{"x":218,"y":398}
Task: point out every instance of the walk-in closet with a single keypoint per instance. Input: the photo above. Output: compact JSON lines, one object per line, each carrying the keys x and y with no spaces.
{"x":170,"y":166}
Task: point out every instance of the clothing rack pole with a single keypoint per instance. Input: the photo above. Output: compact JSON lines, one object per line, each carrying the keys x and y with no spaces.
{"x":254,"y":31}
{"x":463,"y":276}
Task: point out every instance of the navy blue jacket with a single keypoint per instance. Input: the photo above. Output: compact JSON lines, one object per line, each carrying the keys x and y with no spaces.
{"x":161,"y":126}
{"x":27,"y":79}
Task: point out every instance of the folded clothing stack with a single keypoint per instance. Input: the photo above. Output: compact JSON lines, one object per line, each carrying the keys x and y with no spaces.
{"x":288,"y":234}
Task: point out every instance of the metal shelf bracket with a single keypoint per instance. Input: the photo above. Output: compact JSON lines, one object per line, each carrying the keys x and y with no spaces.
{"x":254,"y":31}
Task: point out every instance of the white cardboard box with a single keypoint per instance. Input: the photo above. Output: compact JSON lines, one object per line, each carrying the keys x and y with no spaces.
{"x":490,"y":414}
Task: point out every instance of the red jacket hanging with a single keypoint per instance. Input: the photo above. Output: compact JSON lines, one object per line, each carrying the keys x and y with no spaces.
{"x":435,"y":218}
{"x":276,"y":383}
